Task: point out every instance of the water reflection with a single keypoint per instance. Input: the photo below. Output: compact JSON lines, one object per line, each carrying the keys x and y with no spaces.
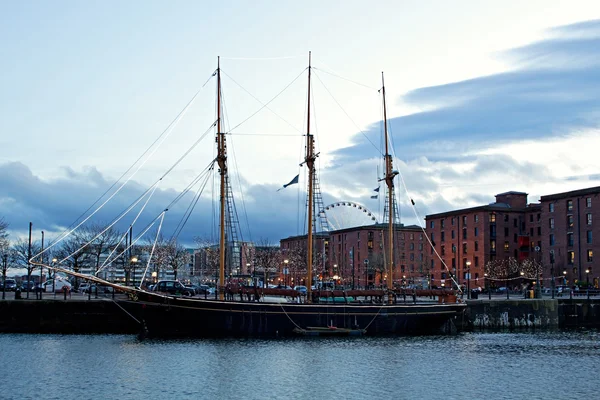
{"x":472,"y":366}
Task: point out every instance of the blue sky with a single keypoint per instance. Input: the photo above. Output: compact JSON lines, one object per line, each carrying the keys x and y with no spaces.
{"x":482,"y":99}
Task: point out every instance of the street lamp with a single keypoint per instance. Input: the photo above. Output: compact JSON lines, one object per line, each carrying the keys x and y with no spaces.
{"x":54,"y":261}
{"x":468,"y":276}
{"x":285,"y":271}
{"x":587,"y":279}
{"x":4,"y":268}
{"x":134,"y":259}
{"x":154,"y":276}
{"x":487,"y":286}
{"x":335,"y":274}
{"x":366,"y":272}
{"x":552,"y":283}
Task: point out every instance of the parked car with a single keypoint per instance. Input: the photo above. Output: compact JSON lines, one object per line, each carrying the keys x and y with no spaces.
{"x":301,"y":289}
{"x":10,"y":285}
{"x":172,"y":287}
{"x":92,"y":288}
{"x":27,"y":286}
{"x":58,"y":286}
{"x":84,"y":287}
{"x":194,"y":288}
{"x":205,"y":289}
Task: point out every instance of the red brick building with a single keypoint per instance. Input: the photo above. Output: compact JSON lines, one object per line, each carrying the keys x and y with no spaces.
{"x":357,"y":256}
{"x":558,"y":232}
{"x":467,"y":239}
{"x":571,"y":231}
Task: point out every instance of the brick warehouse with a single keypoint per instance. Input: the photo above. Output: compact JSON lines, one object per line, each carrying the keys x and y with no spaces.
{"x":509,"y":227}
{"x":357,"y":255}
{"x":558,"y":232}
{"x":571,"y":235}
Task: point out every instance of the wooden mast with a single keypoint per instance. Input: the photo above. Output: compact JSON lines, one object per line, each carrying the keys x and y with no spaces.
{"x":222,"y":161}
{"x":389,"y":180}
{"x":310,"y":164}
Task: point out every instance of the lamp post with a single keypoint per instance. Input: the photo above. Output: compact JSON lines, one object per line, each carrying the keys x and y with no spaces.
{"x":565,"y":283}
{"x":538,"y":287}
{"x":552,"y":283}
{"x":468,"y":276}
{"x":335,"y":275}
{"x":587,"y":279}
{"x":39,"y":288}
{"x":54,"y":261}
{"x":248,"y":272}
{"x":133,"y":261}
{"x":487,"y":286}
{"x":507,"y":290}
{"x":285,"y":271}
{"x":366,"y":273}
{"x":4,"y":268}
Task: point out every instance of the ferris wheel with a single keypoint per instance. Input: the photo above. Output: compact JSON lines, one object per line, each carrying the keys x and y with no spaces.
{"x":347,"y":214}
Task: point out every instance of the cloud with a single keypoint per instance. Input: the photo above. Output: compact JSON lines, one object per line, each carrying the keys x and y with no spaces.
{"x":55,"y":204}
{"x":470,"y":140}
{"x":553,"y":91}
{"x":449,"y":149}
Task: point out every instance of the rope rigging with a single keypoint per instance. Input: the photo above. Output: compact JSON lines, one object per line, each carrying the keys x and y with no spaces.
{"x":379,"y":153}
{"x":265,"y":105}
{"x":167,"y":131}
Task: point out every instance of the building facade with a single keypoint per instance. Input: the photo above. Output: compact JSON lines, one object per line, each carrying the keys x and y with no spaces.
{"x":571,"y":235}
{"x":357,"y":256}
{"x":465,"y":240}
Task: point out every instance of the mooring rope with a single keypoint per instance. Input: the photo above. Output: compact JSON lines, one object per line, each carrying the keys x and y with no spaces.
{"x":290,"y":318}
{"x":126,"y":312}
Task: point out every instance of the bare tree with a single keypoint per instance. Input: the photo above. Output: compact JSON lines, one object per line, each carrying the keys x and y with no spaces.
{"x":377,"y":265}
{"x":208,"y":257}
{"x":21,"y":255}
{"x":73,"y":252}
{"x":156,"y":244}
{"x":502,"y":270}
{"x":98,"y":241}
{"x":4,"y":248}
{"x":177,"y":256}
{"x":532,"y":269}
{"x":4,"y":243}
{"x":267,"y":258}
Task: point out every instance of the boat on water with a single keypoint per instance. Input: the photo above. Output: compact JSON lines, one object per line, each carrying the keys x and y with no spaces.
{"x":252,"y":311}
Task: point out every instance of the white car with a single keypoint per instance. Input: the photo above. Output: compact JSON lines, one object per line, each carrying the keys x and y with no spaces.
{"x":58,"y":286}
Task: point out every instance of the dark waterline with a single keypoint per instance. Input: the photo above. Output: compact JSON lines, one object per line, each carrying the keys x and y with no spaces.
{"x":547,"y":365}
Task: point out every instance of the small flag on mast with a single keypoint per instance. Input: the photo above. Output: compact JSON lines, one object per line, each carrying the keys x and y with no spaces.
{"x":293,"y":181}
{"x":374,"y":197}
{"x":376,"y":190}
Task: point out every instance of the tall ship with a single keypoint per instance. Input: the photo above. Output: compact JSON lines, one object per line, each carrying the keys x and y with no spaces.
{"x":254,"y":311}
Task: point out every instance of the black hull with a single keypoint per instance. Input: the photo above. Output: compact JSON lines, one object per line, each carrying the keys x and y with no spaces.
{"x":189,"y":317}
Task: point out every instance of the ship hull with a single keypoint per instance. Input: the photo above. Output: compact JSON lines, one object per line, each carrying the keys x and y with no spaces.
{"x":164,"y":316}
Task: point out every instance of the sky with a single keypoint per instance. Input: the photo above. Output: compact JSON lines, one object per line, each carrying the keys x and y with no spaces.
{"x":481,"y":97}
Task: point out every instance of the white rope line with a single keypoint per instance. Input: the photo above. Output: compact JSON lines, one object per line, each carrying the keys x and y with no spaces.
{"x":106,"y":261}
{"x":261,"y":58}
{"x":169,"y":131}
{"x":150,"y":225}
{"x":153,"y":247}
{"x":123,"y":214}
{"x":418,"y":217}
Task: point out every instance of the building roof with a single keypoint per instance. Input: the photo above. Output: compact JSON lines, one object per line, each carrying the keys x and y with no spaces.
{"x":512,"y":192}
{"x":573,"y":193}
